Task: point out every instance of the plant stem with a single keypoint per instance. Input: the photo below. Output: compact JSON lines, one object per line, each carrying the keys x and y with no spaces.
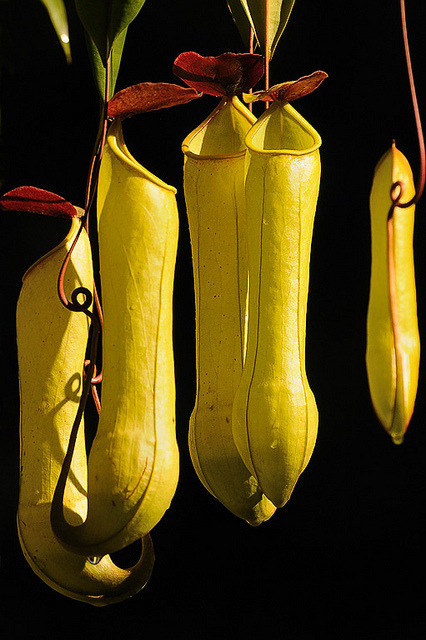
{"x":422,"y":171}
{"x":267,"y":48}
{"x":251,"y":50}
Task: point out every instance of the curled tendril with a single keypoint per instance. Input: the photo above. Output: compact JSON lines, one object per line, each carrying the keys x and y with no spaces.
{"x":398,"y":187}
{"x":76,"y":305}
{"x":81,"y":306}
{"x":73,"y":304}
{"x":95,"y":379}
{"x":396,"y":192}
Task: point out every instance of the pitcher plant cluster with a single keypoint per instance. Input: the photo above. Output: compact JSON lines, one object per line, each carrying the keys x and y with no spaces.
{"x":251,"y":186}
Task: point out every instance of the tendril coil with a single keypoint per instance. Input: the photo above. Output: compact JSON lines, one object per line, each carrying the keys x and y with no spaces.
{"x":398,"y":187}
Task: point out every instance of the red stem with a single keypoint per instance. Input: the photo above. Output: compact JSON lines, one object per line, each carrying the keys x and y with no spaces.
{"x":422,"y":153}
{"x":91,"y":188}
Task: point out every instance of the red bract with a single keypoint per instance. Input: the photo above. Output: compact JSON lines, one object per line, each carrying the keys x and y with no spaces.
{"x":289,"y":91}
{"x":148,"y":96}
{"x":229,"y":74}
{"x":34,"y":200}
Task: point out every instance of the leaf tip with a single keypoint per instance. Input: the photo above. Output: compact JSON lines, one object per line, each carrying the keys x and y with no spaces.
{"x":148,"y":96}
{"x":291,"y":90}
{"x":35,"y":200}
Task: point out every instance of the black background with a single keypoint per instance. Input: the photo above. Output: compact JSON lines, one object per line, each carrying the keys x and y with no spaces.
{"x":346,"y":555}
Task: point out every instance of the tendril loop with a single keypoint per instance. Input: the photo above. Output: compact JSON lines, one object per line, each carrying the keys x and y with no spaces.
{"x":81,"y":306}
{"x":396,"y":199}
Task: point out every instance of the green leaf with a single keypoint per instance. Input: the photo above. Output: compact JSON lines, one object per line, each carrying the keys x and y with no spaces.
{"x":105,"y":20}
{"x":269,"y":19}
{"x":241,"y":20}
{"x":58,"y":17}
{"x":98,"y":66}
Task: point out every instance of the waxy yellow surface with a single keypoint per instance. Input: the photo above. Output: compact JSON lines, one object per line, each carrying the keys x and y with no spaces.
{"x":214,"y":193}
{"x":393,"y":345}
{"x":51,"y":352}
{"x":133,"y":464}
{"x":275,"y":416}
